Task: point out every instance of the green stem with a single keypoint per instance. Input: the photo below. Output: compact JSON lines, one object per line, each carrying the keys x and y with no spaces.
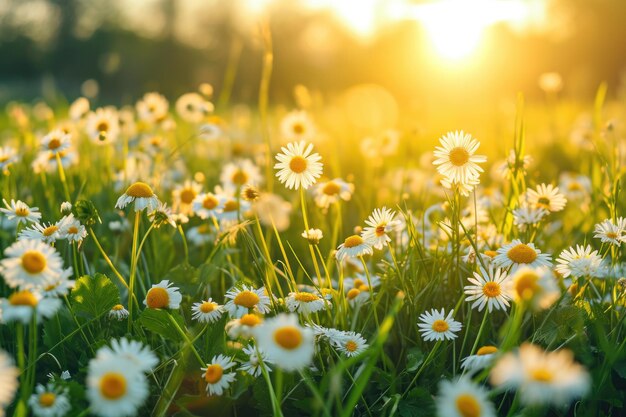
{"x":107,"y":259}
{"x":186,"y":337}
{"x":66,"y":190}
{"x":480,"y":332}
{"x":133,"y":268}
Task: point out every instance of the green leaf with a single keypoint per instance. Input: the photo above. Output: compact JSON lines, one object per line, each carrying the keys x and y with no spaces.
{"x":414,"y":359}
{"x":157,"y":321}
{"x":93,"y":296}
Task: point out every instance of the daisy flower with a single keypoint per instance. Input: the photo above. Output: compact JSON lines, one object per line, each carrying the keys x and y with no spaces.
{"x":483,"y":358}
{"x":353,"y":247}
{"x":118,"y":312}
{"x":297,"y":126}
{"x":463,"y":398}
{"x":47,"y":233}
{"x":305,"y":303}
{"x":541,"y":377}
{"x":102,"y":126}
{"x":313,"y":236}
{"x":250,"y":193}
{"x":141,"y":194}
{"x":487,"y":289}
{"x":136,"y":353}
{"x":533,"y":286}
{"x":242,"y":172}
{"x":48,"y":401}
{"x":21,"y":305}
{"x":546,"y":197}
{"x":207,"y":311}
{"x":56,"y":141}
{"x":200,"y":235}
{"x":152,"y":108}
{"x":20,"y":211}
{"x":256,"y":358}
{"x":61,"y":286}
{"x":576,"y":187}
{"x":243,"y":326}
{"x":193,"y":108}
{"x":579,"y":262}
{"x":242,"y":300}
{"x":435,"y":325}
{"x":517,"y":254}
{"x":455,"y":158}
{"x":78,"y":109}
{"x":8,"y":380}
{"x":184,"y":196}
{"x":162,"y":295}
{"x":71,"y":229}
{"x":286,"y":343}
{"x":379,"y":223}
{"x":8,"y":156}
{"x":30,"y":264}
{"x":207,"y":205}
{"x":297,"y":166}
{"x":115,"y":387}
{"x":608,"y":232}
{"x":329,"y":192}
{"x":232,"y":208}
{"x":273,"y":211}
{"x":162,"y":215}
{"x":351,"y":344}
{"x":527,"y":215}
{"x":216,"y":380}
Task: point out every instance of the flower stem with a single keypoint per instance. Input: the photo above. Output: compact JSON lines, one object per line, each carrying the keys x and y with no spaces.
{"x":133,"y":268}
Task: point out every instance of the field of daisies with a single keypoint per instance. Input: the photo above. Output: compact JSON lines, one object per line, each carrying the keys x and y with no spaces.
{"x":173,"y":258}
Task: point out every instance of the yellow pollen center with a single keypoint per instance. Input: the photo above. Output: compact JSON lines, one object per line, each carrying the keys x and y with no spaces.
{"x":231,"y":205}
{"x":491,"y":253}
{"x":542,"y":375}
{"x":157,"y":298}
{"x":305,"y":297}
{"x":351,"y":346}
{"x":358,"y":282}
{"x":140,"y":189}
{"x":380,"y":230}
{"x":118,"y":307}
{"x":72,"y":230}
{"x":331,"y":188}
{"x":207,"y":307}
{"x":102,"y":127}
{"x":298,"y":128}
{"x":23,"y":298}
{"x":47,"y":399}
{"x":522,"y":254}
{"x":491,"y":289}
{"x":250,"y":320}
{"x":611,"y":235}
{"x":49,"y":231}
{"x":353,"y":293}
{"x":33,"y":262}
{"x":113,"y":385}
{"x":246,"y":299}
{"x":526,"y":285}
{"x":54,"y":144}
{"x":574,"y":186}
{"x":486,"y":350}
{"x":467,"y":406}
{"x":213,"y":373}
{"x":210,"y":202}
{"x":240,"y":177}
{"x":22,"y":212}
{"x":459,"y":156}
{"x":352,"y":241}
{"x":298,"y":164}
{"x":187,"y":195}
{"x":363,"y":287}
{"x":440,"y":326}
{"x":288,"y":337}
{"x":543,"y":202}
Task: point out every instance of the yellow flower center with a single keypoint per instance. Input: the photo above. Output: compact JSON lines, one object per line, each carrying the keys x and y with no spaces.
{"x":250,"y":320}
{"x":574,"y":186}
{"x":113,"y":385}
{"x":118,"y":307}
{"x":305,"y":297}
{"x":210,"y":202}
{"x":380,"y":230}
{"x":352,"y":241}
{"x":54,"y":144}
{"x":611,"y":235}
{"x":543,"y":202}
{"x":47,"y":399}
{"x":363,"y":287}
{"x":23,"y":298}
{"x":103,"y":126}
{"x":526,"y":285}
{"x":358,"y":282}
{"x":187,"y":195}
{"x":351,"y":346}
{"x":33,"y":262}
{"x":72,"y":230}
{"x":246,"y":299}
{"x":491,"y":253}
{"x":486,"y":350}
{"x":298,"y":128}
{"x":213,"y":373}
{"x":288,"y":337}
{"x":491,"y":289}
{"x":22,"y":212}
{"x":157,"y":297}
{"x":240,"y":177}
{"x":459,"y":156}
{"x":440,"y":326}
{"x":298,"y":164}
{"x":353,"y":293}
{"x":207,"y":307}
{"x":467,"y":406}
{"x":331,"y":188}
{"x":49,"y":231}
{"x":231,"y":205}
{"x":139,"y":189}
{"x":542,"y":375}
{"x":522,"y":254}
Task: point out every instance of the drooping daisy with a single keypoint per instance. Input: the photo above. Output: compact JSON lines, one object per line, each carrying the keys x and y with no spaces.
{"x":455,"y":158}
{"x":71,"y":229}
{"x":608,"y":232}
{"x":483,"y":358}
{"x":297,"y":166}
{"x":463,"y":398}
{"x":256,"y":358}
{"x":163,"y":215}
{"x":297,"y":126}
{"x":30,"y":264}
{"x":20,"y":212}
{"x":138,"y":354}
{"x":329,"y":192}
{"x":193,"y":108}
{"x":49,"y":401}
{"x":56,"y":141}
{"x":351,"y":344}
{"x":184,"y":196}
{"x":47,"y":233}
{"x":239,"y":173}
{"x":21,"y":305}
{"x":8,"y":381}
{"x":517,"y":254}
{"x":102,"y":126}
{"x":353,"y":247}
{"x":115,"y":387}
{"x":242,"y":300}
{"x":8,"y":156}
{"x":535,"y":287}
{"x":541,"y":377}
{"x":379,"y":223}
{"x":162,"y":295}
{"x":546,"y":197}
{"x":141,"y":194}
{"x":207,"y":311}
{"x":216,"y":379}
{"x":579,"y":262}
{"x":313,"y":236}
{"x":435,"y":325}
{"x":286,"y":343}
{"x":152,"y":108}
{"x":305,"y":303}
{"x":243,"y":326}
{"x":118,"y":312}
{"x":488,"y":289}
